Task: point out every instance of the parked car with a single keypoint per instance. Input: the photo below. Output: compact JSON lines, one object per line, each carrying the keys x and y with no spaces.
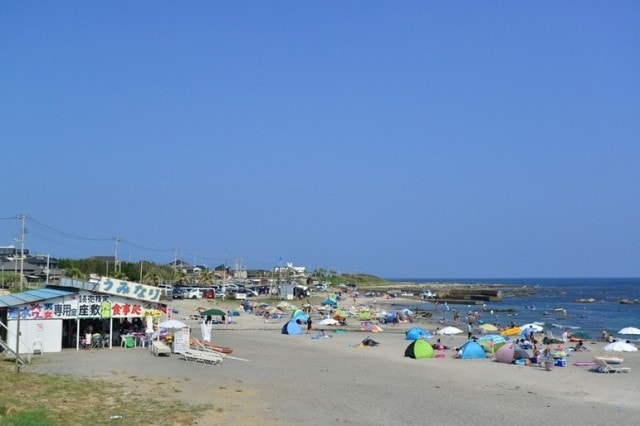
{"x":178,"y":293}
{"x":193,"y":293}
{"x":166,"y":289}
{"x":247,"y":291}
{"x":209,"y":293}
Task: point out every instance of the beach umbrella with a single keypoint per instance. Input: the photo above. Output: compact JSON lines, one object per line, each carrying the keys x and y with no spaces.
{"x":172,"y":323}
{"x":329,"y":321}
{"x":488,"y":327}
{"x":491,"y":342}
{"x":206,"y":331}
{"x":620,"y":347}
{"x":450,"y":331}
{"x":529,"y":327}
{"x":629,"y":330}
{"x":149,"y":321}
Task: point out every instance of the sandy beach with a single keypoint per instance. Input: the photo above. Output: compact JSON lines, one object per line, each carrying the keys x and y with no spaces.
{"x":293,"y":380}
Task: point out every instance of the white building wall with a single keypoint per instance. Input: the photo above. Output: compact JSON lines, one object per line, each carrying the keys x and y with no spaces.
{"x":48,"y":332}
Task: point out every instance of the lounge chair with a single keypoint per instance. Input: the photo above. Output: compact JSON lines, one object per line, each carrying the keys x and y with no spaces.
{"x":604,"y":367}
{"x":205,"y":357}
{"x":159,"y":348}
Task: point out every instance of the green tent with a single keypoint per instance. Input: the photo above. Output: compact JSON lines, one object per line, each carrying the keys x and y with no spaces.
{"x":419,"y":349}
{"x":364,"y":316}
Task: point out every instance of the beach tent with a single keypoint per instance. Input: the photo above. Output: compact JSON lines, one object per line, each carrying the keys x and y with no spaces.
{"x":340,"y":314}
{"x":419,"y":349}
{"x":505,"y":354}
{"x":390,"y":317}
{"x":300,"y":316}
{"x":415,"y":333}
{"x":491,"y":342}
{"x":472,"y":350}
{"x":291,"y":327}
{"x":330,"y":302}
{"x":364,"y":316}
{"x":369,"y":326}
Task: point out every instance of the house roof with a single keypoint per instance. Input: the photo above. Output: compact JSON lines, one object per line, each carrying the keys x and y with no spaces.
{"x":31,"y":296}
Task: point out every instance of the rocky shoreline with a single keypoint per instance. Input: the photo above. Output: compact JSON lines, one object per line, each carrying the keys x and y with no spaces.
{"x":454,"y":291}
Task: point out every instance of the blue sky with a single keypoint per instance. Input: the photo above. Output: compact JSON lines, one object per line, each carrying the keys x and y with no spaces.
{"x":402,"y":139}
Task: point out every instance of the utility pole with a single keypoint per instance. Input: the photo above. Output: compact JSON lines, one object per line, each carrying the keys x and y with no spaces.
{"x":116,"y":267}
{"x":22,"y":232}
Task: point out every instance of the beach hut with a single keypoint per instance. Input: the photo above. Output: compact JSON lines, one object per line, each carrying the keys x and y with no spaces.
{"x":292,"y":327}
{"x":419,"y":349}
{"x":472,"y":350}
{"x":415,"y":333}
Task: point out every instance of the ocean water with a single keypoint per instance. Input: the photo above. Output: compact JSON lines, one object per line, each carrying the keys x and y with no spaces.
{"x":586,"y":320}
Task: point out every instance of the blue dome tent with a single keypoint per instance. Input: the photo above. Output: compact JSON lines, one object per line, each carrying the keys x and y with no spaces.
{"x":472,"y":350}
{"x":416,"y":333}
{"x":291,"y":327}
{"x":330,"y":302}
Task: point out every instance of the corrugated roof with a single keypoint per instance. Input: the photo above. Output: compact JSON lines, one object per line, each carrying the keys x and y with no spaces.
{"x":31,"y":296}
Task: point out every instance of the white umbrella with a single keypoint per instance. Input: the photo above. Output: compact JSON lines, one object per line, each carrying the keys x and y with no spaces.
{"x":206,"y":331}
{"x":629,"y":330}
{"x":172,"y":323}
{"x":534,"y":327}
{"x":149,"y":329}
{"x":450,"y":330}
{"x":620,"y":347}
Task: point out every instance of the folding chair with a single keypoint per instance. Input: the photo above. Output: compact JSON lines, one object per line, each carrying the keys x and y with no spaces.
{"x":96,"y":341}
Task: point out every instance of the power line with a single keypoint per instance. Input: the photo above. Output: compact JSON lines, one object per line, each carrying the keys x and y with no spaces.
{"x":63,"y":233}
{"x":145,"y":248}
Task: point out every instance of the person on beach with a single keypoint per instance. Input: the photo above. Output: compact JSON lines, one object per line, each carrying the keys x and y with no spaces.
{"x":580,"y":347}
{"x":439,"y":346}
{"x":309,"y":325}
{"x":605,"y":336}
{"x":88,"y":332}
{"x":469,"y":330}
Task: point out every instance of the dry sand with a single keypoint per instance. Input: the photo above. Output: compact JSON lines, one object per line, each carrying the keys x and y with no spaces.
{"x":295,"y":380}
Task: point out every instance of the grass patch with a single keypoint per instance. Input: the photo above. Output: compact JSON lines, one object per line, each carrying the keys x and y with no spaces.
{"x":42,"y":399}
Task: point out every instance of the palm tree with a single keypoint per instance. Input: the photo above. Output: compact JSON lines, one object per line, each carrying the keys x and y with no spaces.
{"x":182,"y":278}
{"x":206,"y":278}
{"x":74,"y":273}
{"x":152,"y":278}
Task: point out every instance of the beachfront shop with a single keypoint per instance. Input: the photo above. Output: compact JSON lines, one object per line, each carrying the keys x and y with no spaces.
{"x":58,"y":317}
